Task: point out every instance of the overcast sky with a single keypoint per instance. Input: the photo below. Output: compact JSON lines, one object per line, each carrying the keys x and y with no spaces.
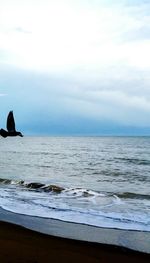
{"x":76,"y":66}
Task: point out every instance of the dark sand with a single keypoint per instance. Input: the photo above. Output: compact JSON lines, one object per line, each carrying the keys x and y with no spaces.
{"x":19,"y":245}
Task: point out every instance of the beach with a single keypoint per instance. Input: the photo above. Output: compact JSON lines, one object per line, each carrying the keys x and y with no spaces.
{"x":18,"y":244}
{"x":33,"y":239}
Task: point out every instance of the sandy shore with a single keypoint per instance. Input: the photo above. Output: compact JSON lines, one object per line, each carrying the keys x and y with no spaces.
{"x":18,"y":244}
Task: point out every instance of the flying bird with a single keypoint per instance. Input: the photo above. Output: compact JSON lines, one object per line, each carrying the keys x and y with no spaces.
{"x":11,"y":130}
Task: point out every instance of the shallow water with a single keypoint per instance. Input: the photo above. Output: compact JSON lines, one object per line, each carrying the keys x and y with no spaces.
{"x":102,"y":181}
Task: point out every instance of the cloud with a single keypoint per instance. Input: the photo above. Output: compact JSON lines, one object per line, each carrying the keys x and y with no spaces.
{"x":56,"y":65}
{"x":140,"y":34}
{"x":22,"y":30}
{"x":111,"y":33}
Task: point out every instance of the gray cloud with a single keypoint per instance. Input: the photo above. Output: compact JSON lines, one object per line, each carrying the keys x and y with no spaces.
{"x":41,"y":97}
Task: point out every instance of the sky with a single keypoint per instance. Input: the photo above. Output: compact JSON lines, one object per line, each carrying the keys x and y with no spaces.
{"x":75,"y":67}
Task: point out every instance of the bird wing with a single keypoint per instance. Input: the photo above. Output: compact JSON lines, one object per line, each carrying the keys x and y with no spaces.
{"x":11,"y":122}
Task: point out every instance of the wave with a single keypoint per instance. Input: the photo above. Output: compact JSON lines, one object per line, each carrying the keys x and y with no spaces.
{"x":33,"y":185}
{"x":128,"y":195}
{"x":80,"y":192}
{"x":103,"y":209}
{"x":42,"y":206}
{"x":134,"y":161}
{"x":37,"y":186}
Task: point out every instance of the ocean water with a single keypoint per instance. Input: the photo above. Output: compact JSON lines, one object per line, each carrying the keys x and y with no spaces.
{"x":100,"y":181}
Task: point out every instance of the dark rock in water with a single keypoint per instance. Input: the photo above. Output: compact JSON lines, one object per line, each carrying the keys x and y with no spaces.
{"x":86,"y":194}
{"x":5,"y":181}
{"x":1,"y":180}
{"x":34,"y":185}
{"x":53,"y":188}
{"x":11,"y":130}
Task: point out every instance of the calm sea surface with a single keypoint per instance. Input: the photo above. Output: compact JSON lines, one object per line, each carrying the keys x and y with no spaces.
{"x":101,"y":181}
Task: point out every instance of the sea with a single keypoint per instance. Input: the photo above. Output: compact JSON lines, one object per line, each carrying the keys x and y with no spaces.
{"x":99,"y":181}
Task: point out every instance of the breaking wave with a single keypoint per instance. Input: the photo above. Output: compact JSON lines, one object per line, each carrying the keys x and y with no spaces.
{"x":37,"y":186}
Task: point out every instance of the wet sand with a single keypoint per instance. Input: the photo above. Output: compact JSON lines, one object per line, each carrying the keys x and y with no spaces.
{"x":18,"y":244}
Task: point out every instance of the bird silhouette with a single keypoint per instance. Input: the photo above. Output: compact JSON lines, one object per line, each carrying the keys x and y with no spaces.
{"x":11,"y":130}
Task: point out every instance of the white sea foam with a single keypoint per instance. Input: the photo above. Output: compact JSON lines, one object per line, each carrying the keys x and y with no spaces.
{"x":73,"y":208}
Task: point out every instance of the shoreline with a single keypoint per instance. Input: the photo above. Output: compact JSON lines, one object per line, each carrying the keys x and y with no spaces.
{"x":18,"y":244}
{"x":137,"y":241}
